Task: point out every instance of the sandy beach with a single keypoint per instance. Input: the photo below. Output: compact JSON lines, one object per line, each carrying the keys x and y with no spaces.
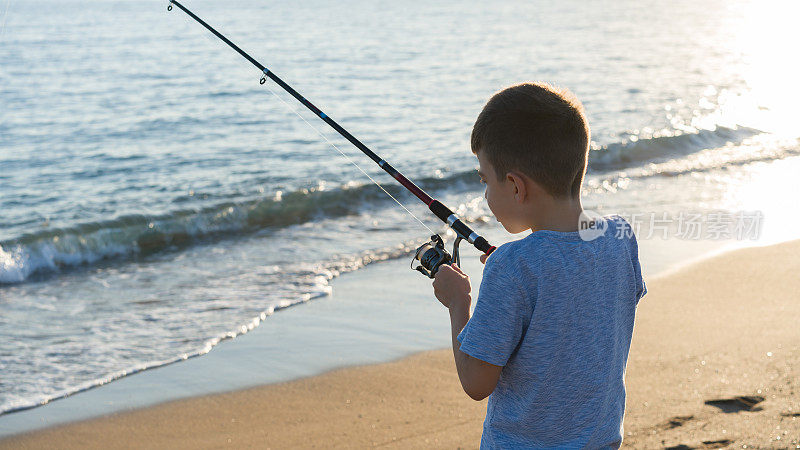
{"x":713,"y":364}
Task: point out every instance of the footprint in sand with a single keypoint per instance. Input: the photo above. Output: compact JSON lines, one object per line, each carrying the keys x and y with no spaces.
{"x":675,"y":422}
{"x":736,"y":404}
{"x":726,"y":405}
{"x":722,"y":443}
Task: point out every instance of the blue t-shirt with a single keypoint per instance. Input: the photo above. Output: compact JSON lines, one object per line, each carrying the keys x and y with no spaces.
{"x":557,"y":311}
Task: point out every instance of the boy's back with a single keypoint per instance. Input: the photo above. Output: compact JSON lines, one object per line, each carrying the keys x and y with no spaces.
{"x":557,"y":312}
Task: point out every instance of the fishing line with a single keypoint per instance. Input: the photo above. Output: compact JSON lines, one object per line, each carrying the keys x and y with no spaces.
{"x":347,"y":157}
{"x":431,"y":255}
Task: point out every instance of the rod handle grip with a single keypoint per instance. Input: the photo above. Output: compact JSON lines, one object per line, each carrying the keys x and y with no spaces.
{"x":447,"y":216}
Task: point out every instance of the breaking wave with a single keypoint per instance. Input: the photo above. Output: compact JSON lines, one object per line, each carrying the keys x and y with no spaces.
{"x":133,"y":236}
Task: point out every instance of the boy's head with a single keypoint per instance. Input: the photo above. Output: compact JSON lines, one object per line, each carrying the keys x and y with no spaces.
{"x":536,"y":131}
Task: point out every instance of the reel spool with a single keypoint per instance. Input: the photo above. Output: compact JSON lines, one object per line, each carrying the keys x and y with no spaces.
{"x":431,"y":255}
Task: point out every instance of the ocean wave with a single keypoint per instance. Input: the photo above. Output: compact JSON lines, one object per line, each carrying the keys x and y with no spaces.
{"x":132,"y":236}
{"x":635,"y":152}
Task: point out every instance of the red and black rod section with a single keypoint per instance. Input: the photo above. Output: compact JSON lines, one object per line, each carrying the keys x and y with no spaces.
{"x":440,"y":210}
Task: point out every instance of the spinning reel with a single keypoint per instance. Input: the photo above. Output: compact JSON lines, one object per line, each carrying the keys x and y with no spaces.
{"x":431,"y":255}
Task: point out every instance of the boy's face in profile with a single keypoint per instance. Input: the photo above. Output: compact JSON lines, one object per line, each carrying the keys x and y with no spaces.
{"x":501,"y":196}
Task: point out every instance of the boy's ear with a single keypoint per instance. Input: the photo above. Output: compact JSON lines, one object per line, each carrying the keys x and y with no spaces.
{"x":520,"y":186}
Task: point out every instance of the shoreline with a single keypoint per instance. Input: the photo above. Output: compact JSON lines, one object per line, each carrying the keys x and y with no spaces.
{"x":348,"y":328}
{"x":700,"y":343}
{"x":292,"y":352}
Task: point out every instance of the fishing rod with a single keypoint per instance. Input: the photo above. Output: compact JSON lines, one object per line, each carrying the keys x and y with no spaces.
{"x":430,"y":255}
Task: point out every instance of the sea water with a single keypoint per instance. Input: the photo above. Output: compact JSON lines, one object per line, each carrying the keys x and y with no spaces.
{"x":155,"y":199}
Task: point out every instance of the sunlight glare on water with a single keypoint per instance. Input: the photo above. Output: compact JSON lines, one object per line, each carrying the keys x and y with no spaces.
{"x":766,"y":31}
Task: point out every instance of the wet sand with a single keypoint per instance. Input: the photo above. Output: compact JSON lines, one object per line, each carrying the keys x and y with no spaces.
{"x":714,"y":363}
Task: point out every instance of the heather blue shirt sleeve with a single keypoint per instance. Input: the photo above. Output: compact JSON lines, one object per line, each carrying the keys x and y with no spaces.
{"x":500,"y":318}
{"x":641,"y":287}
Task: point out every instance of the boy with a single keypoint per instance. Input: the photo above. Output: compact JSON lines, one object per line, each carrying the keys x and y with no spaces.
{"x":552,"y":326}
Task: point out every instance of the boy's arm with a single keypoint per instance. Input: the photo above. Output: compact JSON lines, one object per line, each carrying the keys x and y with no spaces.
{"x":478,"y":378}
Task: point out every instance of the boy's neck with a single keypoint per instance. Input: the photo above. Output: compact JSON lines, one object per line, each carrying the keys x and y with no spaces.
{"x":558,"y":215}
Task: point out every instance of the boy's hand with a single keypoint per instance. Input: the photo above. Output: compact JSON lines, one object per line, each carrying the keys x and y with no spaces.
{"x":483,"y":258}
{"x":451,"y":286}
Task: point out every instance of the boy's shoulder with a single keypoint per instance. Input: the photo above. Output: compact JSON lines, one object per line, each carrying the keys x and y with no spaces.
{"x":622,"y":230}
{"x":619,"y":221}
{"x":511,"y":252}
{"x":514,"y":256}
